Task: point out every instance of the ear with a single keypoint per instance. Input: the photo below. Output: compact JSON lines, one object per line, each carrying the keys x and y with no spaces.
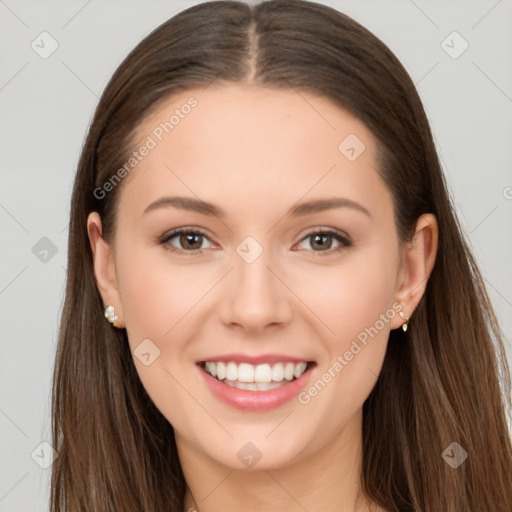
{"x":418,"y":258}
{"x":104,"y":268}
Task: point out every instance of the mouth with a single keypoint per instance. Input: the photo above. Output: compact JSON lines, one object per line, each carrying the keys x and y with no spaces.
{"x":256,"y":377}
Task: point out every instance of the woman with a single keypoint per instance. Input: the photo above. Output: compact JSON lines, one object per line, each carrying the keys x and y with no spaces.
{"x":270,"y":304}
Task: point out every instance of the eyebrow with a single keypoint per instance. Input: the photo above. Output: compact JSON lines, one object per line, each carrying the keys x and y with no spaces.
{"x":301,"y":209}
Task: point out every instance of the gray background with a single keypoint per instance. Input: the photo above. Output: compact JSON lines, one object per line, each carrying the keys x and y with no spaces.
{"x":46,"y":105}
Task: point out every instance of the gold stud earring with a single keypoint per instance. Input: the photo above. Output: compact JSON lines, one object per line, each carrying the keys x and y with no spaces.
{"x":406,"y":323}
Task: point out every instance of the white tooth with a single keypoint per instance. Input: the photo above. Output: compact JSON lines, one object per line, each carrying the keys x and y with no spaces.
{"x":245,"y":372}
{"x":288,"y":371}
{"x":265,"y":386}
{"x":278,"y":372}
{"x":221,"y":371}
{"x":262,"y":373}
{"x":213,"y":369}
{"x":253,"y":386}
{"x":299,"y":369}
{"x":240,"y":385}
{"x":231,"y":371}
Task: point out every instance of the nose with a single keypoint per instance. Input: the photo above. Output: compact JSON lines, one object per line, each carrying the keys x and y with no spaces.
{"x":256,"y":297}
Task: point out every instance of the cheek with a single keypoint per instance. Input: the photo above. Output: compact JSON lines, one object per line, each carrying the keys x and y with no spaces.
{"x":352,"y":296}
{"x":356,"y":304}
{"x":158,"y":300}
{"x":156,"y":294}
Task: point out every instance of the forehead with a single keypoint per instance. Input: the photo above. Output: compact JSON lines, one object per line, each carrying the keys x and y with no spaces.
{"x":252,"y":144}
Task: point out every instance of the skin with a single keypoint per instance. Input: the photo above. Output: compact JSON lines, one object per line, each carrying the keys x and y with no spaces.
{"x":255,"y":153}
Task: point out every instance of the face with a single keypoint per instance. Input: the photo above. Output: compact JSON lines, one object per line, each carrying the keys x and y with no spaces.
{"x":273,"y":277}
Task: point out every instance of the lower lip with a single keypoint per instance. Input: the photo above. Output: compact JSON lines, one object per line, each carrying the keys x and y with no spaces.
{"x":256,"y":400}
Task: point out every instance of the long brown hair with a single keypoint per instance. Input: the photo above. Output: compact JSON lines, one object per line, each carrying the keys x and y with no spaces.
{"x":440,"y":382}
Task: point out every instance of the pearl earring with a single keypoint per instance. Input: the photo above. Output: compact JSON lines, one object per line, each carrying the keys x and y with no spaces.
{"x":110,"y":314}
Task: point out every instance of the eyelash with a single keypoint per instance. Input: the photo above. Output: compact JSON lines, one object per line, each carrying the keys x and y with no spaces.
{"x":344,"y":241}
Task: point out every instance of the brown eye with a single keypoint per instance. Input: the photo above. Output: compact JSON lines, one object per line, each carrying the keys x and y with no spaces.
{"x":188,"y":241}
{"x":191,"y":241}
{"x":321,"y":241}
{"x":324,"y":242}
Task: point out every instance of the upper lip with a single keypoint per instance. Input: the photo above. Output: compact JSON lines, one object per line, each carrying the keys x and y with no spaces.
{"x":254,"y":360}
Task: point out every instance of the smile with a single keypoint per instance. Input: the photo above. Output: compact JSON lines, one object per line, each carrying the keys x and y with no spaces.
{"x":255,"y":387}
{"x":261,"y":377}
